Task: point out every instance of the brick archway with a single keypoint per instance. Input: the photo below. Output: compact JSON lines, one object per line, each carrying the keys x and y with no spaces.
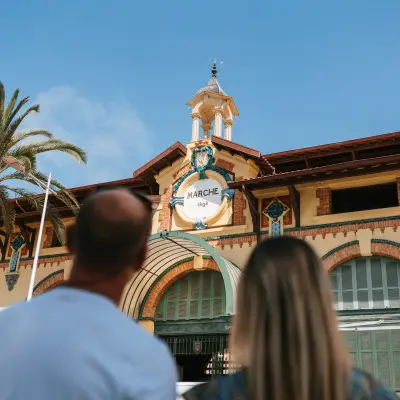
{"x":351,"y":250}
{"x":385,"y":248}
{"x":166,"y":250}
{"x":49,"y":282}
{"x":164,"y":281}
{"x":341,"y":254}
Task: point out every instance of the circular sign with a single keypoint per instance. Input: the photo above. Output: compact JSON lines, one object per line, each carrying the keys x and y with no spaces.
{"x":202,"y":199}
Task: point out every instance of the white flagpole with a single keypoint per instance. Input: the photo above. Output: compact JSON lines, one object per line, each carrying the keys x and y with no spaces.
{"x":38,"y":242}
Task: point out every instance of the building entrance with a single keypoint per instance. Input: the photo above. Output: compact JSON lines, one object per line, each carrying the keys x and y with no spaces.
{"x":189,"y":319}
{"x":199,"y":358}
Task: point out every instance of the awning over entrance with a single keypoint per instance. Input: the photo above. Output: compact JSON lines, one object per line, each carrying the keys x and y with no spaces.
{"x":167,"y":250}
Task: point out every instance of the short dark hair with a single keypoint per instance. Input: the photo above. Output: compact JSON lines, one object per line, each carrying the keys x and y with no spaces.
{"x":106,"y":244}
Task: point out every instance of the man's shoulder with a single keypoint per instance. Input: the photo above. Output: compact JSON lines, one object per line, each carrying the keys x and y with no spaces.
{"x":139,"y":336}
{"x":12,"y":310}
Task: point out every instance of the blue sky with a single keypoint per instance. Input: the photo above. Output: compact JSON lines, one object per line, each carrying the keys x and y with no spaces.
{"x":114,"y":76}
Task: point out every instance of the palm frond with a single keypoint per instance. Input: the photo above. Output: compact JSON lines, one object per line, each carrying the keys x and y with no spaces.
{"x":58,"y":145}
{"x":20,"y":136}
{"x":10,"y":107}
{"x":37,"y":202}
{"x":2,"y":100}
{"x":56,"y":222}
{"x":28,"y":195}
{"x":7,"y":211}
{"x":10,"y":177}
{"x":11,"y":127}
{"x":63,"y":194}
{"x":16,"y":110}
{"x":19,"y":152}
{"x":11,"y":144}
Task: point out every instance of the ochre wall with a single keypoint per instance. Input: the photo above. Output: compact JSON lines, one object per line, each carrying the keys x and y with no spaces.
{"x":333,"y":236}
{"x":50,"y":261}
{"x":233,"y":221}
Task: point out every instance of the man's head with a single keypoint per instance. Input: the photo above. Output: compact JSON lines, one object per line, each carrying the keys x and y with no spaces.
{"x":110,"y":233}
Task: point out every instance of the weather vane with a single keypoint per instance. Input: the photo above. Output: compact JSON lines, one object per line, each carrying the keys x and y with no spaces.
{"x":213,"y":66}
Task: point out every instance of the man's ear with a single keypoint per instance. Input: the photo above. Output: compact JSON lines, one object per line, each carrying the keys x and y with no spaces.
{"x":71,"y":232}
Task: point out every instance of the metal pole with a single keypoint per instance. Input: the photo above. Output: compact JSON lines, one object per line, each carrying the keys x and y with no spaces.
{"x":38,"y":242}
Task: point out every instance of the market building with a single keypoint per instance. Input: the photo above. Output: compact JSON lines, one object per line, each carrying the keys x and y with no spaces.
{"x":216,"y":199}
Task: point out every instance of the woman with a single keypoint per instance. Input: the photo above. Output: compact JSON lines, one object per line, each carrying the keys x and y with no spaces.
{"x":285,"y":337}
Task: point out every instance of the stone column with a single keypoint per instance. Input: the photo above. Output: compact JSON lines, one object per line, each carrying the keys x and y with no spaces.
{"x":218,"y":122}
{"x":228,"y":129}
{"x":195,"y":127}
{"x":206,"y":129}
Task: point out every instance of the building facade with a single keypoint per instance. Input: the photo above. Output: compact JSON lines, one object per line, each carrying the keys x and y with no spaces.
{"x":216,"y":199}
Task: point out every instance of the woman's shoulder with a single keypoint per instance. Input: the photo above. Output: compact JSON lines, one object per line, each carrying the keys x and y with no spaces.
{"x":364,"y":385}
{"x":225,"y":387}
{"x":204,"y":391}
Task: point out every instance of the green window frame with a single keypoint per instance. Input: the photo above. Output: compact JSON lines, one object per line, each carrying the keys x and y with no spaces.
{"x":366,"y":283}
{"x":197,"y":295}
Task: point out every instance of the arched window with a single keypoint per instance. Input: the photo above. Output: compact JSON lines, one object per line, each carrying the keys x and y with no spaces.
{"x":366,"y":283}
{"x":196,"y":295}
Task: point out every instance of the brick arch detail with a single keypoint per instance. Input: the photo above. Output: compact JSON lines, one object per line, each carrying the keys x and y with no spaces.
{"x":351,"y":250}
{"x":385,"y":248}
{"x":150,"y":303}
{"x":341,"y":254}
{"x":49,"y":282}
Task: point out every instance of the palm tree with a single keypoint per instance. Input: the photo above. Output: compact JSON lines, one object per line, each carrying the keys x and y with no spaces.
{"x":13,"y":143}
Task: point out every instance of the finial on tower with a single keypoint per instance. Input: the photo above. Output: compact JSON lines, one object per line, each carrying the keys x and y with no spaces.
{"x":214,"y":68}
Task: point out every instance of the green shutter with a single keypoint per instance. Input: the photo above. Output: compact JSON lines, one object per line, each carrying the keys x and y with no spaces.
{"x":376,"y":352}
{"x":395,"y":342}
{"x":196,"y":295}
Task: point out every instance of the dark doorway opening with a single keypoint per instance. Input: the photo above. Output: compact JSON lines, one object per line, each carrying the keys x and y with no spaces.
{"x":192,"y":368}
{"x":200,"y":358}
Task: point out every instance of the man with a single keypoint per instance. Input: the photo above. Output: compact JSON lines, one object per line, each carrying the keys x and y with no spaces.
{"x":73,"y":343}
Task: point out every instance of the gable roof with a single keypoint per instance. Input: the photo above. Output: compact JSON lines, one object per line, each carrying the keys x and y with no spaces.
{"x":158,"y":163}
{"x":244,"y":151}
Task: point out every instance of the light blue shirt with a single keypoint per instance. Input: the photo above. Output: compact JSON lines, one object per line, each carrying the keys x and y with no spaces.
{"x":70,"y":344}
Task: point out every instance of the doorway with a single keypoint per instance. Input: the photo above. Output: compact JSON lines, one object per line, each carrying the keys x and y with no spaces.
{"x":193,"y":368}
{"x":199,"y":358}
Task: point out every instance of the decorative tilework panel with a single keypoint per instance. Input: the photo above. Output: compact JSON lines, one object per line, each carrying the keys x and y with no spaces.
{"x":287,"y":219}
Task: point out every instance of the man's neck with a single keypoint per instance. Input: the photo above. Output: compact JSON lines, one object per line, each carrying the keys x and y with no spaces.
{"x":110,"y":287}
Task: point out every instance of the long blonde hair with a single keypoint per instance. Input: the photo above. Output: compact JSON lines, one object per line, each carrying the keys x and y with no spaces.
{"x":285,"y":331}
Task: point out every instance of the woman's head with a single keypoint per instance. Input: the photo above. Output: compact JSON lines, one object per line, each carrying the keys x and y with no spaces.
{"x":285,"y":328}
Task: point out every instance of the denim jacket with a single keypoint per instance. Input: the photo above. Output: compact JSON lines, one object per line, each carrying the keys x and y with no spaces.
{"x":362,"y":386}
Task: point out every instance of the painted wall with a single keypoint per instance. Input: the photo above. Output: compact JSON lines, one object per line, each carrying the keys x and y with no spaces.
{"x":334,"y":237}
{"x":51,"y":260}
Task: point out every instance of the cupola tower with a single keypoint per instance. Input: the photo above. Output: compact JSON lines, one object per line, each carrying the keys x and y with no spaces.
{"x":212,"y":110}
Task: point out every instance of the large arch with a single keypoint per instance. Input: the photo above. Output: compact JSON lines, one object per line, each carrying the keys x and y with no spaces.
{"x":168,"y":250}
{"x":166,"y":279}
{"x":49,"y":282}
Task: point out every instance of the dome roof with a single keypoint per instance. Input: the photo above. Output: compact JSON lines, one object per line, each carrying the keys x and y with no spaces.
{"x":213,"y":85}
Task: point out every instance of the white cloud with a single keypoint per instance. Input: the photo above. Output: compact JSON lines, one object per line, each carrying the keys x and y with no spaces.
{"x":114,"y":137}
